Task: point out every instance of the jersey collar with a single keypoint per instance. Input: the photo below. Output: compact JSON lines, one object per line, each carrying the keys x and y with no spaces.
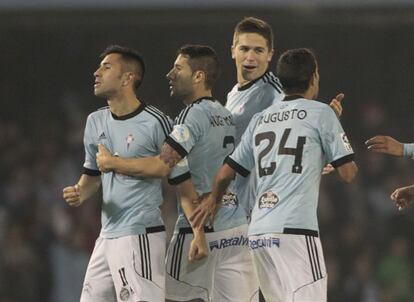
{"x":129,"y":115}
{"x":251,"y":83}
{"x":199,"y":100}
{"x":292,"y":97}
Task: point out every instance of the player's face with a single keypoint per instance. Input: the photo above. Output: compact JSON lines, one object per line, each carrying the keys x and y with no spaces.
{"x":108,"y":77}
{"x":181,"y":79}
{"x":251,"y":55}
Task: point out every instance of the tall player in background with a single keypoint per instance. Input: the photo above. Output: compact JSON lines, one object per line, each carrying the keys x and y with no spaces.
{"x":203,"y":136}
{"x":127,"y":263}
{"x":388,"y":145}
{"x":287,"y":145}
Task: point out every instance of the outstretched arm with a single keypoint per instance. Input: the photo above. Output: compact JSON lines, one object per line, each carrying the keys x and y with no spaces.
{"x":209,"y":205}
{"x":155,"y":166}
{"x":86,"y":187}
{"x":385,"y":144}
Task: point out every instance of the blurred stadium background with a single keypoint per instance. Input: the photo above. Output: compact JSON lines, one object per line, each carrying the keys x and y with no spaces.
{"x":49,"y":51}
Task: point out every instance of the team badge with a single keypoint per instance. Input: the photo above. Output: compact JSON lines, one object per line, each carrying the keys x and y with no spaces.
{"x":129,"y":140}
{"x":181,"y":133}
{"x":124,"y":294}
{"x":346,"y":143}
{"x":268,"y":200}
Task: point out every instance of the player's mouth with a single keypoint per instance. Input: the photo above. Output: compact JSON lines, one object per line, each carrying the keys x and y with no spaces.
{"x":97,"y":84}
{"x":249,"y":67}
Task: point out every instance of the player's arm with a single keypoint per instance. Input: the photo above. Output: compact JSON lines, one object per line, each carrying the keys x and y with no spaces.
{"x":348,"y":171}
{"x":210,"y":204}
{"x":389,"y":145}
{"x":86,"y":187}
{"x":155,"y":166}
{"x":187,"y":197}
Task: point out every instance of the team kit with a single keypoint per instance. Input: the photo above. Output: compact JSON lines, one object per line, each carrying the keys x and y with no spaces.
{"x":246,"y":176}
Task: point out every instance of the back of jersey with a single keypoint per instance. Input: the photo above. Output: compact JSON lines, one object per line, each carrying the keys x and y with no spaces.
{"x":204,"y":133}
{"x":288,"y":145}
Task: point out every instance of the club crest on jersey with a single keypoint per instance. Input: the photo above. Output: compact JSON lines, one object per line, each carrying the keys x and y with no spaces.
{"x":129,"y":140}
{"x":124,"y":294}
{"x":268,"y":200}
{"x":229,"y":200}
{"x":346,"y":142}
{"x":180,"y":133}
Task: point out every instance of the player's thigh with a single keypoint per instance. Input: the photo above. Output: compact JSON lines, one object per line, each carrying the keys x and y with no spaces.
{"x":137,"y":267}
{"x":98,"y":284}
{"x":289,"y":264}
{"x":235,"y":278}
{"x":187,"y":280}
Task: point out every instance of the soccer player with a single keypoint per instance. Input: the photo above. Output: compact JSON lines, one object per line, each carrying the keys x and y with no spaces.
{"x":203,"y":135}
{"x":287,"y":145}
{"x":388,"y":145}
{"x":127,"y":263}
{"x":257,"y":88}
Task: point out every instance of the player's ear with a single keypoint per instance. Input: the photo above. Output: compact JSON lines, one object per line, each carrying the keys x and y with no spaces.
{"x":199,"y":76}
{"x":128,"y":77}
{"x":270,"y":55}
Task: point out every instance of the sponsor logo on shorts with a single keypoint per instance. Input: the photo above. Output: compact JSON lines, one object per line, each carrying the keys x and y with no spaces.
{"x":264,"y":243}
{"x":226,"y":242}
{"x":268,"y":200}
{"x":124,"y":294}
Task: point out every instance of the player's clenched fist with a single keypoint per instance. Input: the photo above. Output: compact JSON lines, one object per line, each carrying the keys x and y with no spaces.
{"x":403,"y":196}
{"x":72,"y":195}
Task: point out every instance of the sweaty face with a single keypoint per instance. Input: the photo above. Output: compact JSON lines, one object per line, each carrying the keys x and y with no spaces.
{"x":108,"y":77}
{"x":251,"y":55}
{"x":180,"y":79}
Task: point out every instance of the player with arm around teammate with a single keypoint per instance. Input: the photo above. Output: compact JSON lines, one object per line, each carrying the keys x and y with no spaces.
{"x":202,"y":137}
{"x":287,"y":145}
{"x":127,"y":263}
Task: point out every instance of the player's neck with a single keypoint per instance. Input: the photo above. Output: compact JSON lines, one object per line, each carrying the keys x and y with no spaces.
{"x":123,"y":105}
{"x":198,"y":95}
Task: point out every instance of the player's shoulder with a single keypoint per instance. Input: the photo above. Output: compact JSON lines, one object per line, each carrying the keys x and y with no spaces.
{"x":158,"y":117}
{"x":196,"y":111}
{"x":271,"y":83}
{"x":99,"y":113}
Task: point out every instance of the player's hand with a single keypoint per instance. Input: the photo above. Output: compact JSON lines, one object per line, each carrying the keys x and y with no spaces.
{"x":328,"y":169}
{"x":103,"y":159}
{"x":198,"y":247}
{"x":336,"y":104}
{"x":385,"y":144}
{"x":205,"y":210}
{"x":72,"y":195}
{"x":403,"y":196}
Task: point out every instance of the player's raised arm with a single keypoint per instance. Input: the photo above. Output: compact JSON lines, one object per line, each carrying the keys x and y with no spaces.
{"x":336,"y":104}
{"x":86,"y":187}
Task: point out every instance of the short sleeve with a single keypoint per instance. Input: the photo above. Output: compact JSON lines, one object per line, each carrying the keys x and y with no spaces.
{"x":91,"y":148}
{"x":188,"y":130}
{"x":335,"y":143}
{"x":242,"y":159}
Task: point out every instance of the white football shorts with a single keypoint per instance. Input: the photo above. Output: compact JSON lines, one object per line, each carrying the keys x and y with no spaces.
{"x":128,"y":268}
{"x":290,"y":267}
{"x":227,"y":274}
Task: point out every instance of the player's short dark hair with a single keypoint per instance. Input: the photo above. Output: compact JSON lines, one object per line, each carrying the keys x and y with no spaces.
{"x":256,"y":26}
{"x":130,"y":57}
{"x":295,"y":69}
{"x":203,"y":58}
